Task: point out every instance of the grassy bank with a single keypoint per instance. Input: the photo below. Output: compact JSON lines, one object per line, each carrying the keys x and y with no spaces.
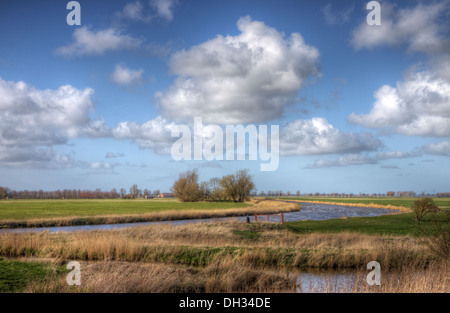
{"x":97,"y":212}
{"x":392,"y":224}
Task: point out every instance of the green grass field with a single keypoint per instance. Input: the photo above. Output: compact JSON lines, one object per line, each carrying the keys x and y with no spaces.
{"x":396,"y":224}
{"x":405,"y":202}
{"x":15,"y":275}
{"x":29,"y":209}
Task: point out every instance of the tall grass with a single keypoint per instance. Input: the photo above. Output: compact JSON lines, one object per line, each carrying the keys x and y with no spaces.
{"x":225,"y":257}
{"x":138,"y":277}
{"x":227,"y":275}
{"x":203,"y":244}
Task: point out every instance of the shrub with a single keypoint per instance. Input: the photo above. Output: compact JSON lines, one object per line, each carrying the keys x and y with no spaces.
{"x":422,"y":207}
{"x":437,"y":236}
{"x":238,"y":187}
{"x":186,"y":188}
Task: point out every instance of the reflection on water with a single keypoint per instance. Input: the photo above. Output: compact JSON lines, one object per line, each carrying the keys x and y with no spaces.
{"x":319,"y":211}
{"x":309,"y":211}
{"x":325,"y":282}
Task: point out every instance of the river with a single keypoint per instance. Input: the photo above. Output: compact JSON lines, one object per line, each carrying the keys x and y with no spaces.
{"x":309,"y":211}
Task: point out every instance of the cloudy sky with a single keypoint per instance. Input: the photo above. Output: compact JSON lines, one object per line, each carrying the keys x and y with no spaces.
{"x":360,"y":108}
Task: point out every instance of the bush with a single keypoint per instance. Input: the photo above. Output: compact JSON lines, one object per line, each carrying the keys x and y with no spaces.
{"x":238,"y":187}
{"x":437,"y":236}
{"x":422,"y":207}
{"x":186,"y":188}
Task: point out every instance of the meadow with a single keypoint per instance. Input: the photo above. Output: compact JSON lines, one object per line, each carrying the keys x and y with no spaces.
{"x":29,"y":209}
{"x":392,"y":224}
{"x":49,"y":213}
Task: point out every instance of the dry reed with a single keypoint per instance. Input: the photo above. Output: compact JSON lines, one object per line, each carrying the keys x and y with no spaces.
{"x":138,"y":277}
{"x":202,"y":244}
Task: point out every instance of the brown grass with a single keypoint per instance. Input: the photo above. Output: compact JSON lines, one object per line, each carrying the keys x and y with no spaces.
{"x":261,"y":245}
{"x":225,"y":257}
{"x":227,"y":275}
{"x":138,"y":277}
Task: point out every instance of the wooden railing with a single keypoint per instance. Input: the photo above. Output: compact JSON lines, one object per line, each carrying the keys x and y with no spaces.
{"x":268,"y":217}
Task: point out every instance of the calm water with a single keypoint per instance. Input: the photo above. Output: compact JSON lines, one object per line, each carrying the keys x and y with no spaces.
{"x":326,"y":281}
{"x":309,"y":211}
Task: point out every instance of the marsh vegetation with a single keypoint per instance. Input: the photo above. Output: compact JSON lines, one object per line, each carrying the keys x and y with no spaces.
{"x":233,"y":256}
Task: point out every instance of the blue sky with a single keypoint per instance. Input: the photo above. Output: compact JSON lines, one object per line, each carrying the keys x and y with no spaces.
{"x":360,"y":108}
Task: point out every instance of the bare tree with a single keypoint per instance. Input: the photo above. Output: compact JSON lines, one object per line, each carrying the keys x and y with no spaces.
{"x":216,"y":191}
{"x":4,"y":191}
{"x":186,"y":188}
{"x":239,"y":186}
{"x":229,"y":187}
{"x":134,"y":191}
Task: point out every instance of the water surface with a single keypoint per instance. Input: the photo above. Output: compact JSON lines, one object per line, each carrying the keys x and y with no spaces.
{"x":309,"y":211}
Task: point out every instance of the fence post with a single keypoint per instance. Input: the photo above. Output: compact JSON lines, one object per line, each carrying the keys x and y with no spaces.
{"x":256,"y":217}
{"x":282,"y":219}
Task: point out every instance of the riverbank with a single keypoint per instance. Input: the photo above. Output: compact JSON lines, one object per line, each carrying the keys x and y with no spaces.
{"x":392,"y":224}
{"x":160,"y":210}
{"x":402,"y":204}
{"x":400,"y":208}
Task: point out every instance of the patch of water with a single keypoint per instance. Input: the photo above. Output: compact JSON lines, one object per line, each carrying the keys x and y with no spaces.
{"x":325,"y":282}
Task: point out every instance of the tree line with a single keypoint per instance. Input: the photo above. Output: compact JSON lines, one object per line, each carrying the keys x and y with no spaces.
{"x":132,"y":193}
{"x":237,"y":187}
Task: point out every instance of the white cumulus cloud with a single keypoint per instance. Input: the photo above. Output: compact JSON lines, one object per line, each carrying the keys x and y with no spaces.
{"x":32,"y":121}
{"x":164,"y":8}
{"x":90,"y":42}
{"x":135,"y":11}
{"x":154,"y":134}
{"x":317,"y":136}
{"x":246,"y":78}
{"x":125,"y":76}
{"x":421,"y":28}
{"x":419,"y":105}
